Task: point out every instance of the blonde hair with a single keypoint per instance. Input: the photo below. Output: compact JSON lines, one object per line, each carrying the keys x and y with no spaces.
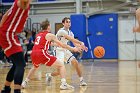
{"x":45,"y":24}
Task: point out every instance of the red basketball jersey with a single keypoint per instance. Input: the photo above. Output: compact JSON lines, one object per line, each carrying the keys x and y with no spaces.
{"x":16,"y":19}
{"x":13,"y":24}
{"x":40,"y":53}
{"x":40,"y":42}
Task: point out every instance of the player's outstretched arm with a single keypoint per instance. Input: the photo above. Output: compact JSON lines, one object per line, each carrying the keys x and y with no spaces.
{"x":24,"y":4}
{"x":52,"y":38}
{"x":76,"y":42}
{"x":5,"y":16}
{"x":72,"y":39}
{"x":82,"y":46}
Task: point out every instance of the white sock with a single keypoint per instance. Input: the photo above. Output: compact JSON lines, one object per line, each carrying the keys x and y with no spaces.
{"x":63,"y":81}
{"x":27,"y":80}
{"x":81,"y":78}
{"x":49,"y":74}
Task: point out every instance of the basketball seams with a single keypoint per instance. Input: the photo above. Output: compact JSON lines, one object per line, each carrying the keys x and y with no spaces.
{"x":99,"y":51}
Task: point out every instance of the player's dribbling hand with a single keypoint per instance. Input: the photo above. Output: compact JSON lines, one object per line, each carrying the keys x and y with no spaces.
{"x":86,"y":48}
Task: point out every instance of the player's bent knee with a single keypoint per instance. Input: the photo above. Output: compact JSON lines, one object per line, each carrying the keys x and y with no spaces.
{"x":19,"y":72}
{"x":74,"y":60}
{"x":58,"y":63}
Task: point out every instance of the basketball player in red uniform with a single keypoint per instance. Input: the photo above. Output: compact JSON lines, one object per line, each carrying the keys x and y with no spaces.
{"x":137,"y":28}
{"x":40,"y":54}
{"x":12,"y":23}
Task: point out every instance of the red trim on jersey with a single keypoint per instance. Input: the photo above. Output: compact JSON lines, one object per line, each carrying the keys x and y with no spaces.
{"x":13,"y":24}
{"x":42,"y":57}
{"x":40,"y":53}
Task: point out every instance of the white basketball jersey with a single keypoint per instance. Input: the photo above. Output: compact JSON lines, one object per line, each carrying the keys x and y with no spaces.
{"x":60,"y":35}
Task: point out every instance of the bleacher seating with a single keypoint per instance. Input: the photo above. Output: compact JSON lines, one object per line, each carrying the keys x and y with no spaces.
{"x":45,"y":0}
{"x":7,"y":1}
{"x":10,"y":1}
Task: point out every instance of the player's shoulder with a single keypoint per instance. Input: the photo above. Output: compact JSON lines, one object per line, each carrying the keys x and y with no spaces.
{"x":40,"y":33}
{"x":61,"y":30}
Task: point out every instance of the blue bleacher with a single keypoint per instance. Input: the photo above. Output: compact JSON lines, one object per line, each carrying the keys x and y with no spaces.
{"x":7,"y":1}
{"x":10,"y":1}
{"x":45,"y":0}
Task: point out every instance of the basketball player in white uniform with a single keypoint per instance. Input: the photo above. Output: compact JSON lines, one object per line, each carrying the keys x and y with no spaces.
{"x":65,"y":35}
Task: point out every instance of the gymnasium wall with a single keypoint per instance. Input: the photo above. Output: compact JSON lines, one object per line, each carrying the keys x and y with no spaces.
{"x":52,"y":18}
{"x":123,"y":28}
{"x":102,"y":31}
{"x":129,"y":42}
{"x":78,"y":27}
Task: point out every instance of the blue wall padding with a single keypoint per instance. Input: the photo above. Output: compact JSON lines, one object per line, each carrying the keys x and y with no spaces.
{"x":104,"y":32}
{"x":78,"y":27}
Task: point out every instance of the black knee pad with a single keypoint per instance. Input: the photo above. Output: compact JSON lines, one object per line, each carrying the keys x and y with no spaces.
{"x":10,"y":75}
{"x":18,"y":76}
{"x":19,"y":63}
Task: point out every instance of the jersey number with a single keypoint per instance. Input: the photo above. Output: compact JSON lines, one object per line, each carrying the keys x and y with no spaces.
{"x":37,"y":40}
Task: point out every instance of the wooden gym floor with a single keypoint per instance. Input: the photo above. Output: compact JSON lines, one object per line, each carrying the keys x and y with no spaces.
{"x":101,"y":77}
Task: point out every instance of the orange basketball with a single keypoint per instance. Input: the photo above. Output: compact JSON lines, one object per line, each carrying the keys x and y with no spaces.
{"x":99,"y":51}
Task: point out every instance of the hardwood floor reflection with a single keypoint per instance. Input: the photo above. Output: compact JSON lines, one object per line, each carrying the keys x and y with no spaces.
{"x":101,"y":77}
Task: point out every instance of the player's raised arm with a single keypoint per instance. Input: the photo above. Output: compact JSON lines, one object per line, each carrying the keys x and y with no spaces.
{"x":24,"y":4}
{"x":76,"y":42}
{"x":5,"y":16}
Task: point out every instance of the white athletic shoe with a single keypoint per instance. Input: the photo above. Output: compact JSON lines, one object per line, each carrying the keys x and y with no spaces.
{"x":48,"y":79}
{"x":68,"y":91}
{"x":82,"y":83}
{"x":83,"y":89}
{"x":24,"y":84}
{"x":66,"y":86}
